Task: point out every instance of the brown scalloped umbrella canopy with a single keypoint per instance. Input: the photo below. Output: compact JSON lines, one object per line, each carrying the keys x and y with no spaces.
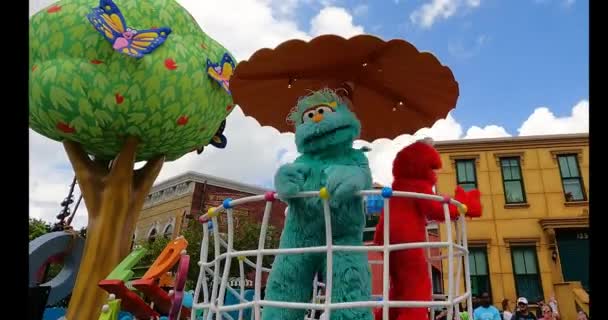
{"x":397,"y":89}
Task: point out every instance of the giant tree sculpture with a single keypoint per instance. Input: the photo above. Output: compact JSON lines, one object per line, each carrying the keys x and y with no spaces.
{"x":116,"y":83}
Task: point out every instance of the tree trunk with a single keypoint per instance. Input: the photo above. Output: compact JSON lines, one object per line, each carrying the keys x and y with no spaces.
{"x":114,"y":196}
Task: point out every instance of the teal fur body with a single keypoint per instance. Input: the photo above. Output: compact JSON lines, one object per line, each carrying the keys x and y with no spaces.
{"x":329,"y":160}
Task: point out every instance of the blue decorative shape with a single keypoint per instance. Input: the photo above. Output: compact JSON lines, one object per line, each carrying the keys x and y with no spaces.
{"x":210,"y":225}
{"x":387,"y":192}
{"x":53,"y":313}
{"x":51,"y":244}
{"x":232,"y":299}
{"x":227,"y":203}
{"x":188,"y":299}
{"x":374,"y":204}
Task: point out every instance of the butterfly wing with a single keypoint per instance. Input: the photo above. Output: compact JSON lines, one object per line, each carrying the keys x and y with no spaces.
{"x":108,"y":20}
{"x":222,"y":72}
{"x":146,"y":41}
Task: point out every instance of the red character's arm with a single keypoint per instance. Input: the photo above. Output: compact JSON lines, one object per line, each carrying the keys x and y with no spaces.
{"x":433,"y":210}
{"x":471,"y":199}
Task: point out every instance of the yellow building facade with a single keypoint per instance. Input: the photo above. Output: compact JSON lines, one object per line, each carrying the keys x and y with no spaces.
{"x":533,"y":237}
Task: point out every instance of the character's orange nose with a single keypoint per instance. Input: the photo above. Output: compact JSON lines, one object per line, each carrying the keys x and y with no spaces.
{"x":317,"y":118}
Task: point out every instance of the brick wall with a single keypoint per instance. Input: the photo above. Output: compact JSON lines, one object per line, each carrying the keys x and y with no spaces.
{"x":214,"y":197}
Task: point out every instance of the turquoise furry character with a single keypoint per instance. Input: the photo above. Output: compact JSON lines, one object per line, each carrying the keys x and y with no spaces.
{"x":325,"y":131}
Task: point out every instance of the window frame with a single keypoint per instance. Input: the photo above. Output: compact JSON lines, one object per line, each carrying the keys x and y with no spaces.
{"x":152,"y":235}
{"x":521,"y":179}
{"x":580,"y":176}
{"x":484,"y":249}
{"x":438,"y":287}
{"x":539,"y":279}
{"x":475,"y":177}
{"x":166,"y":234}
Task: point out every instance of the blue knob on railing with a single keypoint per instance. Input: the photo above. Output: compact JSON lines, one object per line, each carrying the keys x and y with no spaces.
{"x":387,"y":192}
{"x":227,"y":204}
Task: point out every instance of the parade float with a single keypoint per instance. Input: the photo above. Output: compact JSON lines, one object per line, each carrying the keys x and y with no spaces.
{"x":118,"y":83}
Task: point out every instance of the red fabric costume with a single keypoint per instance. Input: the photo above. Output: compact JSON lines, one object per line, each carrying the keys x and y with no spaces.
{"x":414,"y":171}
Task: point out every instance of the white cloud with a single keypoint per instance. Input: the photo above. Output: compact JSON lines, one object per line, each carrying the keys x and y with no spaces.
{"x":361,"y":9}
{"x":49,"y":181}
{"x":334,"y":20}
{"x":252,"y":153}
{"x":491,"y":131}
{"x":459,"y":49}
{"x":543,"y":121}
{"x":252,"y":25}
{"x":426,"y":15}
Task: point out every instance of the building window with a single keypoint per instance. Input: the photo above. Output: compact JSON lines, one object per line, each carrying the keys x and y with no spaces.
{"x":465,"y":174}
{"x":525,"y":270}
{"x":437,"y":281}
{"x":152,"y":236}
{"x":371,"y":220}
{"x":571,"y":177}
{"x":512,"y":180}
{"x":168,"y":233}
{"x":478,"y":267}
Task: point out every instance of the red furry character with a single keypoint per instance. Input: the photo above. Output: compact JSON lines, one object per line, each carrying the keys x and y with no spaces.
{"x":414,"y":171}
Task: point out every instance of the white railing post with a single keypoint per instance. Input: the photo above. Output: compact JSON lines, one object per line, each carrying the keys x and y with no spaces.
{"x":450,"y":241}
{"x":228,"y":259}
{"x":216,"y":267}
{"x":467,"y":270}
{"x":202,"y":275}
{"x":430,"y":267}
{"x":386,"y":194}
{"x":329,"y":274}
{"x":269,"y":197}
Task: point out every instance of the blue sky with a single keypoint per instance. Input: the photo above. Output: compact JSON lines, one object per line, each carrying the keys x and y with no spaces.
{"x":509,"y":57}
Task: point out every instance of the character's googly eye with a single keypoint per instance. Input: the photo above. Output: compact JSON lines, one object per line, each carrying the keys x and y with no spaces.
{"x":129,"y":29}
{"x":133,"y":31}
{"x":324,"y":110}
{"x":308,"y":115}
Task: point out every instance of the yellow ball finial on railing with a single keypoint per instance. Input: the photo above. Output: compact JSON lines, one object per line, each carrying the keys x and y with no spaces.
{"x":212,"y":213}
{"x":463,"y":209}
{"x":323,"y":193}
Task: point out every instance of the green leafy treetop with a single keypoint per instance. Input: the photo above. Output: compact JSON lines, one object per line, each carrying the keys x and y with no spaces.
{"x":120,"y":109}
{"x":82,"y":90}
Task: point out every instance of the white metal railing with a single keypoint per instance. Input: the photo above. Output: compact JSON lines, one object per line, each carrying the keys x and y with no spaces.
{"x":213,"y":302}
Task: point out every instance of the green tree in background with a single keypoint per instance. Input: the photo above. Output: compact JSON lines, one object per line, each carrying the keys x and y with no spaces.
{"x":38,"y":227}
